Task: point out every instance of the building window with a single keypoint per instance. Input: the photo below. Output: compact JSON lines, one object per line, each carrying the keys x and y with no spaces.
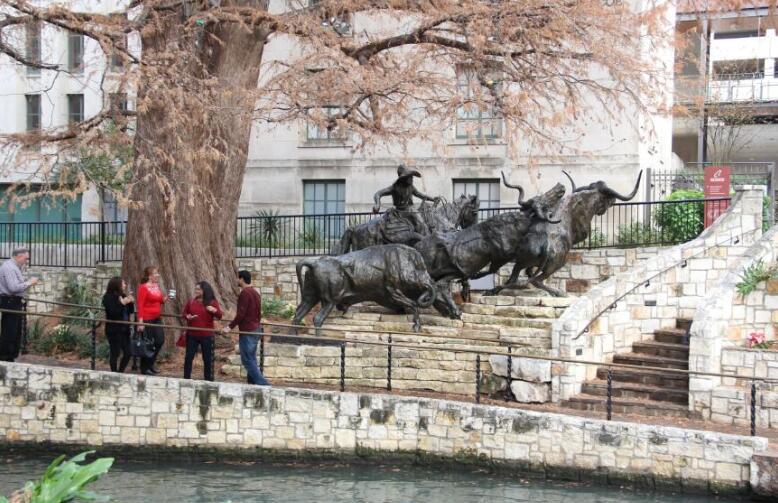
{"x":322,"y":198}
{"x":117,"y":102}
{"x":75,"y":108}
{"x":487,"y":190}
{"x":75,"y":52}
{"x":33,"y":102}
{"x":723,"y":35}
{"x":474,"y":121}
{"x":316,"y":133}
{"x":114,"y":215}
{"x":33,"y":46}
{"x":738,"y":69}
{"x":117,"y":60}
{"x":45,"y":209}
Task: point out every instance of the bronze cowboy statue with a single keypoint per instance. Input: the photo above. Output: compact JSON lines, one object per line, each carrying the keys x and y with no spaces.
{"x":403,"y":223}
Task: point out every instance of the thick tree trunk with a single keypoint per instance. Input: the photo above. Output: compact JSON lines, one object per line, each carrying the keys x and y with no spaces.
{"x":186,"y":225}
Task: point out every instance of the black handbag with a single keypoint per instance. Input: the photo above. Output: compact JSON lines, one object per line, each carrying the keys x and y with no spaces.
{"x":142,"y":346}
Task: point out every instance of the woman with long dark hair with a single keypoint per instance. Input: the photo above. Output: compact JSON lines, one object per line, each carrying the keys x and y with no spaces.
{"x":118,"y":306}
{"x":150,"y":300}
{"x":199,"y":313}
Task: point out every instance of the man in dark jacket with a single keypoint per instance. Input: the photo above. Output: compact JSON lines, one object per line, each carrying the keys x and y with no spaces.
{"x":247,"y":319}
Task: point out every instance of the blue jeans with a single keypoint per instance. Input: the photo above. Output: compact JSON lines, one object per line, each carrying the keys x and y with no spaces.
{"x":247,"y":344}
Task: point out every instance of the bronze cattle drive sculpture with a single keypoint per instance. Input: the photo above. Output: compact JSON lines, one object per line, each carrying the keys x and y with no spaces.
{"x":392,"y":275}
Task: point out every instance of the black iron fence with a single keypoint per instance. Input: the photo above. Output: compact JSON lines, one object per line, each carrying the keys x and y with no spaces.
{"x":85,"y":244}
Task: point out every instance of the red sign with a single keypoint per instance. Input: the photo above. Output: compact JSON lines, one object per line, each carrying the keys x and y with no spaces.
{"x":716,"y":186}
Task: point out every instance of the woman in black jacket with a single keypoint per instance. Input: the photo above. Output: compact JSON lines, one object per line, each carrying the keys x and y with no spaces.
{"x":118,"y":306}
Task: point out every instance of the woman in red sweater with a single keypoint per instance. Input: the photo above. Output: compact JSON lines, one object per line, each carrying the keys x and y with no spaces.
{"x":149,"y":309}
{"x":200,"y":312}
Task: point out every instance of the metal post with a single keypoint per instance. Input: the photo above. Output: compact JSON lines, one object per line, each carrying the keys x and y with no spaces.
{"x":213,"y":358}
{"x":29,"y":242}
{"x":753,"y":408}
{"x":262,"y":353}
{"x":389,"y":365}
{"x":510,"y":377}
{"x":65,"y":265}
{"x":94,"y":341}
{"x":24,"y":326}
{"x":478,"y":378}
{"x":133,"y":334}
{"x":343,"y":367}
{"x":609,"y":402}
{"x":102,"y":241}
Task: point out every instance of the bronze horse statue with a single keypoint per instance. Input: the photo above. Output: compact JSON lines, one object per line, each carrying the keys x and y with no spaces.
{"x":392,"y":227}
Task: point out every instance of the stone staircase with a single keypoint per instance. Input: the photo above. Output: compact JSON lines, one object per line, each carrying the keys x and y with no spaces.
{"x":523,"y":319}
{"x":646,"y":392}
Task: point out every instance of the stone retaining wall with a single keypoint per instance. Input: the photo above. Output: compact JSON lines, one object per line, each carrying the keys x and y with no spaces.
{"x":66,"y":406}
{"x":721,"y":324}
{"x":412,"y":369}
{"x":658,"y":298}
{"x":731,"y":400}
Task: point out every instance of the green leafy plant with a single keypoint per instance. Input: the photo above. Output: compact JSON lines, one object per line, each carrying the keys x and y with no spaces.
{"x":275,"y":306}
{"x":681,"y":222}
{"x":265,"y":229}
{"x":311,"y":236}
{"x":64,"y":481}
{"x":753,"y":275}
{"x":636,"y":233}
{"x":78,"y":291}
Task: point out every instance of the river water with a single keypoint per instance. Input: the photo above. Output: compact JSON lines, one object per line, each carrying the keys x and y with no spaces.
{"x":201,"y":482}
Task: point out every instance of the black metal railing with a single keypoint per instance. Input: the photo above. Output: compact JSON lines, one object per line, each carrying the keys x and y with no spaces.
{"x":85,"y":244}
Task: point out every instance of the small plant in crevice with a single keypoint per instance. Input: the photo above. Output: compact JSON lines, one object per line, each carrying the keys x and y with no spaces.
{"x":274,"y":306}
{"x":756,"y":340}
{"x":753,"y":275}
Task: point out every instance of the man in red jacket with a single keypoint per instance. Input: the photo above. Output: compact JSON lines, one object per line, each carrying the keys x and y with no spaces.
{"x":247,"y":319}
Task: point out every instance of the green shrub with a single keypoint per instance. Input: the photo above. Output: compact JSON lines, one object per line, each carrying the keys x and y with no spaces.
{"x":78,"y":291}
{"x":275,"y":306}
{"x":682,"y":221}
{"x":312,"y":236}
{"x":636,"y":233}
{"x":265,"y":229}
{"x":64,"y":481}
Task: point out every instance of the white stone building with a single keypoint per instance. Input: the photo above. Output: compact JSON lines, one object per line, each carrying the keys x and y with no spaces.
{"x":297,"y":168}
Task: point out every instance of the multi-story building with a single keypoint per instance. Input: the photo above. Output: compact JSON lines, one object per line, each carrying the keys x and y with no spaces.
{"x":728,"y":80}
{"x":299,"y":168}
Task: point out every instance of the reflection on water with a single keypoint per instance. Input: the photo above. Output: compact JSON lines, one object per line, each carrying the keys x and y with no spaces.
{"x":201,"y":482}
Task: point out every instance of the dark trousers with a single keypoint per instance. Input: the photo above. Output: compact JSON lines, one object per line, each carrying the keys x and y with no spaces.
{"x":157,"y":334}
{"x":10,"y":328}
{"x":119,"y":344}
{"x":205,"y":343}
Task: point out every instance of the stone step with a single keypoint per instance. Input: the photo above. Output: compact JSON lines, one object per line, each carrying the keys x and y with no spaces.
{"x":507,"y":300}
{"x":627,"y":406}
{"x":473,"y":320}
{"x":511,"y":311}
{"x":636,"y":390}
{"x":648,"y":377}
{"x":662,"y":349}
{"x":651,"y":361}
{"x":670,"y":335}
{"x":683,"y":324}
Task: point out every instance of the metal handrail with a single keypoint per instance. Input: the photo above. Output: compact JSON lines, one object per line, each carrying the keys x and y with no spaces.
{"x":735,"y":239}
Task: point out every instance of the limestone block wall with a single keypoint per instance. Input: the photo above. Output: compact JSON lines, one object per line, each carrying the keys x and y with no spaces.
{"x":54,"y":280}
{"x":657,"y":298}
{"x":721,"y":324}
{"x":412,"y":369}
{"x":74,"y":407}
{"x":730,"y":401}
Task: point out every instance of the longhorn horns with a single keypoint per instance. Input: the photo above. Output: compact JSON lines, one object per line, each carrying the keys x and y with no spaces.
{"x":612,"y":193}
{"x":510,"y":186}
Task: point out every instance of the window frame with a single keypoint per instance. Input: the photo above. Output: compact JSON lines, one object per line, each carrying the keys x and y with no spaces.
{"x":80,"y":117}
{"x":485,"y":204}
{"x":75,"y":52}
{"x":485,"y":120}
{"x":332,"y":227}
{"x":332,"y":136}
{"x":32,"y":46}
